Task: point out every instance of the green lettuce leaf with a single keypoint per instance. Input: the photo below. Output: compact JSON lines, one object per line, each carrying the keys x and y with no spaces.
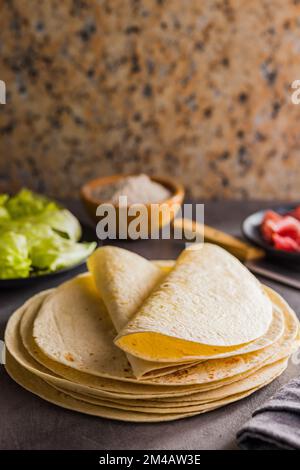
{"x":36,"y":235}
{"x":62,"y":221}
{"x":26,"y":203}
{"x":14,"y":256}
{"x":31,"y":231}
{"x":4,"y":214}
{"x":55,"y":253}
{"x":3,"y":199}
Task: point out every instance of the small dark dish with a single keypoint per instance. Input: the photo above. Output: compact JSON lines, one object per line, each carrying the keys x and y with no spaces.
{"x":88,"y":235}
{"x":251,"y":230}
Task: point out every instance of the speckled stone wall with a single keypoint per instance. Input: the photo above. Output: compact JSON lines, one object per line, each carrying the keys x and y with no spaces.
{"x":197,"y":89}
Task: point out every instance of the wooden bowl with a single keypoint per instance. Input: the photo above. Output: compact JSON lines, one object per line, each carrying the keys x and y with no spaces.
{"x":166,"y":209}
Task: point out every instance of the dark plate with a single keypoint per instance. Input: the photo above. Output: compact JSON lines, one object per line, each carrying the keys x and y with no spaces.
{"x":251,"y":230}
{"x":88,"y":235}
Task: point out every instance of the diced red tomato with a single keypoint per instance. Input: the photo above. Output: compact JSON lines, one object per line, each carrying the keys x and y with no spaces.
{"x":272,"y":215}
{"x":282,"y":231}
{"x":288,"y":227}
{"x":285,"y":243}
{"x":267,"y":229}
{"x":295,"y":213}
{"x":268,"y":226}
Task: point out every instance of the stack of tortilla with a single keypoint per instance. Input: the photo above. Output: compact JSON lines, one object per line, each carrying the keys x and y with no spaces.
{"x":136,"y":340}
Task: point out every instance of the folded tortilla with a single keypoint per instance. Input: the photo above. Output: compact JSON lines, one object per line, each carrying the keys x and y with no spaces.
{"x":124,"y":280}
{"x":208,"y":304}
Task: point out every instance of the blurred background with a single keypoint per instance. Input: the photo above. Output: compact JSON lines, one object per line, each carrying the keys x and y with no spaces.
{"x":200,"y":90}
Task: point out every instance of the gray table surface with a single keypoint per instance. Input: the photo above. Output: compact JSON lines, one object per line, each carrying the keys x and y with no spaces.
{"x":27,"y":422}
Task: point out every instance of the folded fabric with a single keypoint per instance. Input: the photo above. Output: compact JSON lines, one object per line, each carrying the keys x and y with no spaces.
{"x":276,"y":424}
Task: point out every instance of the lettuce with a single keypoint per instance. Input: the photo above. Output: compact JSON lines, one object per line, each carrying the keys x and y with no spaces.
{"x":55,"y":253}
{"x":4,"y":214}
{"x":32,"y":232}
{"x":14,"y":256}
{"x":36,"y":235}
{"x":25,"y":203}
{"x":3,"y":199}
{"x":62,"y":221}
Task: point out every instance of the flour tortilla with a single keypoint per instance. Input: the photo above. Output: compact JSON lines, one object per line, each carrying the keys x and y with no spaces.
{"x":207,"y":305}
{"x":129,"y":279}
{"x":124,"y":281}
{"x":74,"y":328}
{"x":259,"y":379}
{"x":65,"y":374}
{"x":94,"y":352}
{"x":209,"y":376}
{"x":33,"y":359}
{"x":37,"y":386}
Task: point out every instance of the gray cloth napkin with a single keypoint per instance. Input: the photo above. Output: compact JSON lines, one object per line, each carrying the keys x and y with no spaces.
{"x":276,"y":424}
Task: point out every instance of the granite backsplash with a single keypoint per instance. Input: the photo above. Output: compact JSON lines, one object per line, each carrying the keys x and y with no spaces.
{"x":197,"y":89}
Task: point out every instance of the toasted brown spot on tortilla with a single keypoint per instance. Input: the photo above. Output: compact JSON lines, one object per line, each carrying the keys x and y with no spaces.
{"x":69,"y":357}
